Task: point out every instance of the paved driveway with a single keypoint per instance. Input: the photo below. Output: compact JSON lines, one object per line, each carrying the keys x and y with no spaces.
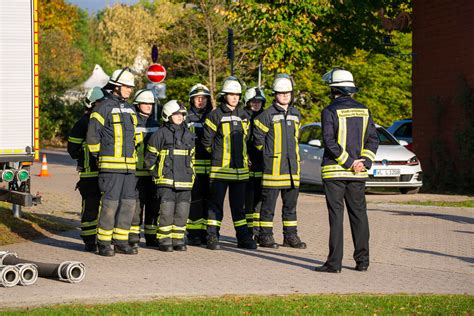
{"x":414,"y":249}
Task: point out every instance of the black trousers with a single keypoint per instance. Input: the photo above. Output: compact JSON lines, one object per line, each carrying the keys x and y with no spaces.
{"x":174,"y":212}
{"x":148,"y":204}
{"x":196,"y":226}
{"x":269,"y":198}
{"x":253,"y":203}
{"x":90,"y":193}
{"x":218,"y":190}
{"x":353,"y":194}
{"x":118,"y":207}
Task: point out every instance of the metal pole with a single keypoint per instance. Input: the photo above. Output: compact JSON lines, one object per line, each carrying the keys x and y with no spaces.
{"x":16,"y":209}
{"x":260,"y":75}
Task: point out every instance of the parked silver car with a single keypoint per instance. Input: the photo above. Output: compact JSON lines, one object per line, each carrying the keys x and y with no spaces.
{"x":394,"y":165}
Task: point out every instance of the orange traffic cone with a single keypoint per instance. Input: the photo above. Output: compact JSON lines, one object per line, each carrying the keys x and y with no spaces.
{"x":44,"y":167}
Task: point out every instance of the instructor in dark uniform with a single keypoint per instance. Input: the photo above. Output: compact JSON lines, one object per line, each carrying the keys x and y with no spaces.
{"x":350,"y":143}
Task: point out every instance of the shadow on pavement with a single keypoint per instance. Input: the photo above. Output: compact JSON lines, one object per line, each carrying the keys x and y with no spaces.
{"x":437,"y":253}
{"x":463,"y":231}
{"x":448,"y":217}
{"x":266,"y":255}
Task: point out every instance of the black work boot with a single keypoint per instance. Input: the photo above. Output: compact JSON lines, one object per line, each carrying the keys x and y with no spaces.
{"x":90,"y":247}
{"x":293,"y":241}
{"x":106,"y":250}
{"x":194,"y":241}
{"x":180,"y":247}
{"x":246,"y":243}
{"x":267,"y":241}
{"x":125,"y":249}
{"x":152,"y":243}
{"x":166,"y":248}
{"x":213,"y":242}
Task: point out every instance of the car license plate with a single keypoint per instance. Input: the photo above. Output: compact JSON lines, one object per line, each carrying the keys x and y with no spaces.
{"x":386,"y":172}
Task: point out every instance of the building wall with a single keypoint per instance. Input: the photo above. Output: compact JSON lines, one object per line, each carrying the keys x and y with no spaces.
{"x":443,"y":47}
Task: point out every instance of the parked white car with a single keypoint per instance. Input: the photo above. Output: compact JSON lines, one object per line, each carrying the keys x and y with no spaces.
{"x":394,"y":167}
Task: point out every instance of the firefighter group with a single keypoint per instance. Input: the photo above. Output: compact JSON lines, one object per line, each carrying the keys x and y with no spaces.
{"x":168,"y":179}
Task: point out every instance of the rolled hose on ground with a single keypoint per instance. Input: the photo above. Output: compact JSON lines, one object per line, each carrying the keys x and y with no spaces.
{"x":9,"y":275}
{"x":70,"y":271}
{"x":28,"y":273}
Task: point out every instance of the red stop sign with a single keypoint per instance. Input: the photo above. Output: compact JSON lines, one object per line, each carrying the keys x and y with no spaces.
{"x":156,"y":73}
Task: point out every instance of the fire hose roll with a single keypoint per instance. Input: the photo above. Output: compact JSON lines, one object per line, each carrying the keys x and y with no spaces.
{"x":9,"y":276}
{"x":70,"y":271}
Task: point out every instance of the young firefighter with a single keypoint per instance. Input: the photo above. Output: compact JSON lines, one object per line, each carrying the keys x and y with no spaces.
{"x":225,"y":136}
{"x":254,"y":103}
{"x":88,"y":184}
{"x":350,"y":144}
{"x":111,"y":138}
{"x":170,"y":152}
{"x":276,"y":134}
{"x":144,"y":101}
{"x":200,"y":106}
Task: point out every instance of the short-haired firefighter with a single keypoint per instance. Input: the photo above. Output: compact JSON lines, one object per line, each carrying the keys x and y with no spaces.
{"x":350,"y":144}
{"x":276,"y":134}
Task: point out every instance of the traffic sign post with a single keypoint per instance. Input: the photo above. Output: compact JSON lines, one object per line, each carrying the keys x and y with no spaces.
{"x":156,"y":73}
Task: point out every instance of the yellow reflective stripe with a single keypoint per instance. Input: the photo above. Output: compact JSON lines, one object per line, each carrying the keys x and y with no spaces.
{"x":211,"y":125}
{"x":358,"y":175}
{"x":121,"y":231}
{"x":130,"y":166}
{"x":277,"y":148}
{"x":365,"y":123}
{"x":117,"y":159}
{"x":333,"y":168}
{"x":89,"y":232}
{"x":203,"y":162}
{"x":369,"y":154}
{"x":249,"y":216}
{"x":177,"y":235}
{"x":290,"y":223}
{"x":256,"y":216}
{"x":342,"y":133}
{"x":163,"y":236}
{"x":261,"y":126}
{"x":266,"y":224}
{"x":242,"y":222}
{"x":94,"y":148}
{"x":274,"y":183}
{"x":281,"y":177}
{"x":98,"y":117}
{"x":343,"y":157}
{"x":223,"y":176}
{"x":209,"y":149}
{"x":212,"y":222}
{"x":165,"y":228}
{"x":226,"y":150}
{"x":297,"y":127}
{"x":259,"y":147}
{"x":181,"y":152}
{"x":87,"y":224}
{"x":134,"y":119}
{"x":75,"y":140}
{"x":152,"y":149}
{"x":107,"y":232}
{"x":182,"y":228}
{"x":104,"y":237}
{"x":118,"y":140}
{"x":135,"y":229}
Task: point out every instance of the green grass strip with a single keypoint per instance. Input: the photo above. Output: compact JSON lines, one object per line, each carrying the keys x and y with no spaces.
{"x":467,"y":203}
{"x":275,"y":305}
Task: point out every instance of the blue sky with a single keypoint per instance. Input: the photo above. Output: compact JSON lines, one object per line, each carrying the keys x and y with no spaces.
{"x":96,"y":5}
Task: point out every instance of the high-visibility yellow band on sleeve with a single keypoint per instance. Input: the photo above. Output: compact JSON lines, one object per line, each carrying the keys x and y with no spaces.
{"x":261,"y":126}
{"x":369,"y":154}
{"x":75,"y":140}
{"x":98,"y":117}
{"x":211,"y":125}
{"x":94,"y":148}
{"x":342,"y":158}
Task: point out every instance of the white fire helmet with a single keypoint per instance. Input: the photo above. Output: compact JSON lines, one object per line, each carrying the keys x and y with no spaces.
{"x":341,"y":80}
{"x":231,"y":85}
{"x":171,"y":107}
{"x":144,"y":96}
{"x":282,"y":83}
{"x":254,"y":93}
{"x":92,"y":95}
{"x":122,"y":77}
{"x":199,"y":89}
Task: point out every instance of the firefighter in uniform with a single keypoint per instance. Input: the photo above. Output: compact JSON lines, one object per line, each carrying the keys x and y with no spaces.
{"x":254,"y":104}
{"x":200,"y":106}
{"x":111,"y":138}
{"x":350,"y":144}
{"x":276,"y":134}
{"x":170,"y":152}
{"x":86,"y":165}
{"x":225,"y":136}
{"x":147,"y":203}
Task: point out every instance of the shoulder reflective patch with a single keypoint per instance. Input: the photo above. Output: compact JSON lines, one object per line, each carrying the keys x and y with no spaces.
{"x":278,"y":117}
{"x":124,"y":110}
{"x":353,"y":113}
{"x":146,"y":129}
{"x":231,"y":118}
{"x":98,"y":117}
{"x":195,"y":124}
{"x":293,"y":118}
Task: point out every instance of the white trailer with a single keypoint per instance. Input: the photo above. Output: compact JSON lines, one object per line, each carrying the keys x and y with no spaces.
{"x":19,"y":99}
